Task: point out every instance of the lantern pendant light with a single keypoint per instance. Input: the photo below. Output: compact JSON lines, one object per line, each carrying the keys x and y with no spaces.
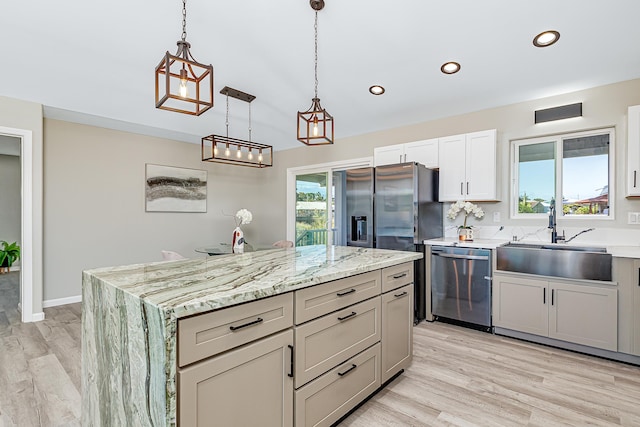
{"x":315,"y":126}
{"x":182,"y":84}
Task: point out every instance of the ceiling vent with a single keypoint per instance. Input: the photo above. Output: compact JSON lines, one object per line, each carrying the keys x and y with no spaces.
{"x":558,"y":113}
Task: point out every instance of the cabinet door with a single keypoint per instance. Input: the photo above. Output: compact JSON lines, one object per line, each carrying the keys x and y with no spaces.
{"x":636,"y":309}
{"x":521,"y":304}
{"x":397,"y":331}
{"x":451,"y":158}
{"x":584,"y":314}
{"x":633,"y":151}
{"x":249,"y":386}
{"x":480,"y":166}
{"x":423,"y":152}
{"x":388,"y":155}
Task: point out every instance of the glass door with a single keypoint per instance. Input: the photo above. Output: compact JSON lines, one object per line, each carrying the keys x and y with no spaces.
{"x":316,"y":203}
{"x":312,"y":209}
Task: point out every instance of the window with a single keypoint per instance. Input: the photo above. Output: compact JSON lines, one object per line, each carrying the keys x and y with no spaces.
{"x":572,"y":170}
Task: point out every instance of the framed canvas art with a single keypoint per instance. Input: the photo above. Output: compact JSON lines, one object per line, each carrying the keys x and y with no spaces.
{"x":172,"y":189}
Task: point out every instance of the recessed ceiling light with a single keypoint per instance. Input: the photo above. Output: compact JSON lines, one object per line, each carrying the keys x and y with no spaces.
{"x":450,"y":67}
{"x":376,"y":90}
{"x":546,"y":38}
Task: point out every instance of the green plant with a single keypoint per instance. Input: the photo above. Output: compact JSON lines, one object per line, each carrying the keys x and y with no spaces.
{"x":9,"y":253}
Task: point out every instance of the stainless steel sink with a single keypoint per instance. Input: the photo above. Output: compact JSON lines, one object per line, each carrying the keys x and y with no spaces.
{"x":573,"y":262}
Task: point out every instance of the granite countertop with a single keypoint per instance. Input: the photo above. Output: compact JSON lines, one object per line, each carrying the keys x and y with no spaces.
{"x":185,"y":287}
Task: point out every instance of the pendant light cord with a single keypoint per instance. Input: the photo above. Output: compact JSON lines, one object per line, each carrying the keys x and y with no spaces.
{"x":315,"y":27}
{"x":184,"y":20}
{"x":227,"y":117}
{"x":249,"y":121}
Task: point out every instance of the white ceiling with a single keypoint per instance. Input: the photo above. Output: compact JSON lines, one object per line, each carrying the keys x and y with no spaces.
{"x":93,"y":61}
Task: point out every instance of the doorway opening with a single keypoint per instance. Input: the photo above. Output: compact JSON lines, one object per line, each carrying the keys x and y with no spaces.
{"x":26,"y":233}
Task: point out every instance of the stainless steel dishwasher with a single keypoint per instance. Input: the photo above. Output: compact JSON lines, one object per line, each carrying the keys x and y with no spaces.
{"x":461,"y":285}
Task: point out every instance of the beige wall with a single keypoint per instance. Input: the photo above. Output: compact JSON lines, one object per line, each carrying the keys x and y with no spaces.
{"x":94,"y":181}
{"x":25,"y":115}
{"x":602,"y":107}
{"x":94,"y":203}
{"x":10,"y":199}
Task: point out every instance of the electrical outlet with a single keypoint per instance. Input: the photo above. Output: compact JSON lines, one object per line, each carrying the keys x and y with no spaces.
{"x":496,"y":217}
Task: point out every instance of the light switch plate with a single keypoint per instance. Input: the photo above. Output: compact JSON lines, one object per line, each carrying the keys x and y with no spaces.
{"x":496,"y":217}
{"x":633,"y":218}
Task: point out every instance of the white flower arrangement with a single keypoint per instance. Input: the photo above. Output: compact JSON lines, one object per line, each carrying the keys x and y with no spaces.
{"x":243,"y":216}
{"x":468,"y":208}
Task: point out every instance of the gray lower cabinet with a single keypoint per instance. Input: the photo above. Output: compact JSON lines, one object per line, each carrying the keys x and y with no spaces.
{"x":580,"y":313}
{"x":626,"y":272}
{"x":397,"y":331}
{"x":248,"y":386}
{"x":310,"y":355}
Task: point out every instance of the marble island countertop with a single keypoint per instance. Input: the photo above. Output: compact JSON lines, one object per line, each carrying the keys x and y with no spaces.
{"x":130,"y":316}
{"x":185,"y":287}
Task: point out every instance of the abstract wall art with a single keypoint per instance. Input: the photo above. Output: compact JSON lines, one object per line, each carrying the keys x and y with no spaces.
{"x":172,"y":189}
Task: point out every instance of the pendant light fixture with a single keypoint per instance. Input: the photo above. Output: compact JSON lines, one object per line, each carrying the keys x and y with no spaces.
{"x":223,"y":149}
{"x":182,"y":84}
{"x":315,"y":126}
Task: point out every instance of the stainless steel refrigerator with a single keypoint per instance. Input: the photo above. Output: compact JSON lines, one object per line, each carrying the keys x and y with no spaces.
{"x":395,"y":207}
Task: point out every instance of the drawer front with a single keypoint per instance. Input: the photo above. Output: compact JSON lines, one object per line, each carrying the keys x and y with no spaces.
{"x":326,"y":342}
{"x":207,"y":334}
{"x":396,"y":276}
{"x":325,"y":400}
{"x":325,"y":298}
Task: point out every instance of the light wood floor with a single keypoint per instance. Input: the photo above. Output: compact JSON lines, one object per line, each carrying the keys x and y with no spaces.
{"x":459,"y":377}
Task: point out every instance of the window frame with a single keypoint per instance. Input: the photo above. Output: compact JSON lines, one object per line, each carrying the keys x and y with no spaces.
{"x":558,"y":140}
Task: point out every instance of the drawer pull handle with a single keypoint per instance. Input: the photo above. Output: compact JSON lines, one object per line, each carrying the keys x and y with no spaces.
{"x":401,"y":294}
{"x":255,"y":322}
{"x":350,"y":291}
{"x":290,"y":374}
{"x":353,"y":366}
{"x":353,"y":313}
{"x":399,"y":276}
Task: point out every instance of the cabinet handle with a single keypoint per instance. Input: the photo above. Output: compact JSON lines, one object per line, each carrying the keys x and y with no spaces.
{"x":461,"y":188}
{"x":399,"y":276}
{"x":544,"y":295}
{"x":552,"y":293}
{"x":401,"y":294}
{"x":467,"y":187}
{"x":635,"y":174}
{"x":353,"y":366}
{"x":400,"y":158}
{"x":290,"y":374}
{"x":255,"y":322}
{"x":353,"y":313}
{"x":341,"y":294}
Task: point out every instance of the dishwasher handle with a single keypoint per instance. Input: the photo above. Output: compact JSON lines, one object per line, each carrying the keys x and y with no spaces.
{"x":458,"y":256}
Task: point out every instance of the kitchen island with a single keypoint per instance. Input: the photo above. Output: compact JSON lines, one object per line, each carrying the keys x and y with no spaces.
{"x":132,"y":316}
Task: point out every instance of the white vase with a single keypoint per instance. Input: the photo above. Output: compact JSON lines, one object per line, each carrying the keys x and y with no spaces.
{"x":238,"y":241}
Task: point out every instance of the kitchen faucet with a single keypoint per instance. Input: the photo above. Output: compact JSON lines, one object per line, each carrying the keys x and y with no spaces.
{"x":552,"y":224}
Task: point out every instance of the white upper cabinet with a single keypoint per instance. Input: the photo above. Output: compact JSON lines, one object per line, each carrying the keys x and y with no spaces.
{"x":468,"y":167}
{"x":424,"y":152}
{"x":633,"y":151}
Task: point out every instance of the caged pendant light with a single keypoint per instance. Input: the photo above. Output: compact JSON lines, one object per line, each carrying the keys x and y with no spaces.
{"x":223,"y":149}
{"x":182,"y":84}
{"x":315,"y":126}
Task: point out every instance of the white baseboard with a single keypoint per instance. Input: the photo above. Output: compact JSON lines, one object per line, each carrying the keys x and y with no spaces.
{"x":61,"y":301}
{"x":37,"y":317}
